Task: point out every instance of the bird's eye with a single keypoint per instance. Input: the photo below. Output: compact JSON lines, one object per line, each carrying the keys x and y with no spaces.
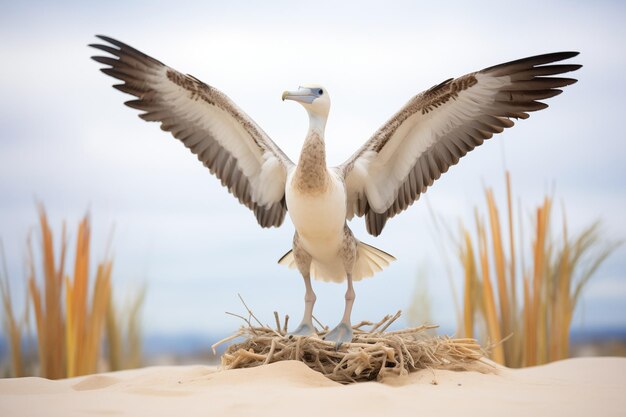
{"x":320,"y":91}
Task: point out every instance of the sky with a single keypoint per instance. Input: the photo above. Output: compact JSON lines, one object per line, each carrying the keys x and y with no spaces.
{"x":68,"y":142}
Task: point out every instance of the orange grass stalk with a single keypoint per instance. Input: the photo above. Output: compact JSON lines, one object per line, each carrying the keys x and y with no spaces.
{"x":562,"y":309}
{"x":491,"y":316}
{"x":514,"y":347}
{"x":530,"y":344}
{"x":69,"y":325}
{"x":511,"y":243}
{"x":13,"y":326}
{"x":469,"y":267}
{"x":85,"y":319}
{"x":48,"y":312}
{"x":537,"y":331}
{"x":77,"y":312}
{"x":539,"y":294}
{"x":100,"y":300}
{"x":499,"y":260}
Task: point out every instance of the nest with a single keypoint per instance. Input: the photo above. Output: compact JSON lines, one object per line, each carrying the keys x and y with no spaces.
{"x":373,"y":354}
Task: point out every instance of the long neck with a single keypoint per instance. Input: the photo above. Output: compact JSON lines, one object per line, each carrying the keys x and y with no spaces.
{"x":312,"y":174}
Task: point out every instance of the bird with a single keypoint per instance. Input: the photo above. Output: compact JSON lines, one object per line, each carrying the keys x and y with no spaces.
{"x":385,"y":176}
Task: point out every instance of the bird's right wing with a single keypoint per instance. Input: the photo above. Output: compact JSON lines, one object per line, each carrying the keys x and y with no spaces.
{"x":224,"y":138}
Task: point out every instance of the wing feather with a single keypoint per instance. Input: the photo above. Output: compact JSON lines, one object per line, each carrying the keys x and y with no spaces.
{"x":229,"y":143}
{"x":436,"y":128}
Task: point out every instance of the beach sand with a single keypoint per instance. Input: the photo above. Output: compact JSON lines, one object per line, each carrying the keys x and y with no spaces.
{"x":574,"y":387}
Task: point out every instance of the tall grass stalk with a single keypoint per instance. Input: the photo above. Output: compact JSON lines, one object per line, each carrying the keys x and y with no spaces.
{"x":70,"y":311}
{"x":69,"y":315}
{"x":123,"y":331}
{"x":85,"y":320}
{"x":537,"y":331}
{"x":14,"y":326}
{"x":47,"y":301}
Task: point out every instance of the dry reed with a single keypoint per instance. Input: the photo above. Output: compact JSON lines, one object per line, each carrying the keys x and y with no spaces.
{"x":537,"y":331}
{"x":68,"y":343}
{"x":123,"y":332}
{"x":47,"y":302}
{"x":372,"y":355}
{"x":13,"y":325}
{"x":84,"y":319}
{"x":70,"y":311}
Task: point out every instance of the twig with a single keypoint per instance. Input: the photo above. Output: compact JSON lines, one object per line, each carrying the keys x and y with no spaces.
{"x":224,"y":340}
{"x":361,"y":324}
{"x":249,"y":311}
{"x":394,"y":318}
{"x":244,"y":319}
{"x":277,"y":320}
{"x":377,"y":325}
{"x":271,"y":352}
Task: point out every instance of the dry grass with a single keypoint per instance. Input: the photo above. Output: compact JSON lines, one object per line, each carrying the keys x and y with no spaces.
{"x":70,"y":311}
{"x":123,"y":332}
{"x":537,"y":331}
{"x":48,"y":303}
{"x":372,"y":355}
{"x":85,"y":320}
{"x":13,"y":325}
{"x":69,"y":319}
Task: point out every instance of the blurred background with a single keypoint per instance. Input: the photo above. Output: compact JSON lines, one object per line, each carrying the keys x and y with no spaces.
{"x":69,"y":143}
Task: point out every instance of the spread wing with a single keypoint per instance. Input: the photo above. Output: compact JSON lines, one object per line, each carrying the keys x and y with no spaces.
{"x":222,"y":136}
{"x":438,"y":127}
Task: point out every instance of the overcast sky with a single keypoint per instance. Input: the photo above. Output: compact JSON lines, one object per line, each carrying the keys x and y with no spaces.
{"x":68,"y":141}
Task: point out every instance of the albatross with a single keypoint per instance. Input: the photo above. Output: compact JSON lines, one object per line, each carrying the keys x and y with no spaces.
{"x":385,"y":176}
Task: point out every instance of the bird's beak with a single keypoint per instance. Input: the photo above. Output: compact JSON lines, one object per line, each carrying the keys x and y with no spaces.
{"x":303,"y":95}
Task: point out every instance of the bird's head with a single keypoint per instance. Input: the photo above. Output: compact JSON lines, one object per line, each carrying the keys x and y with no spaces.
{"x":313,"y":97}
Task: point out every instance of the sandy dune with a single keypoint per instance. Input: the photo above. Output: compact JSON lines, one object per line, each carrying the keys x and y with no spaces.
{"x":575,"y":387}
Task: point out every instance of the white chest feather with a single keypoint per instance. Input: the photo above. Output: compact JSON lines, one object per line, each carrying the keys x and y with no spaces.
{"x":318,"y":217}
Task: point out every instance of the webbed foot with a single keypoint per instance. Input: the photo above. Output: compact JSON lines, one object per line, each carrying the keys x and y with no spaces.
{"x":340,"y":334}
{"x":304,"y":329}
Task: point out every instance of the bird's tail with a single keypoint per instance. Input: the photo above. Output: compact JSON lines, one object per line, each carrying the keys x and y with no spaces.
{"x":369,"y":260}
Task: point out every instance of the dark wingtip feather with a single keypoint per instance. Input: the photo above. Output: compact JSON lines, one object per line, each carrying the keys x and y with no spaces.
{"x":129,"y":89}
{"x":135,"y":104}
{"x":105,"y":60}
{"x":111,"y":41}
{"x":565,"y":81}
{"x":119,"y":44}
{"x":112,"y":72}
{"x":554,"y":56}
{"x":123,"y":50}
{"x":507,"y":68}
{"x":106,"y":48}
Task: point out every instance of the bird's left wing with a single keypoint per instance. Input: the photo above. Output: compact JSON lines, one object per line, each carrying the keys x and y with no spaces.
{"x":438,"y":127}
{"x":224,"y":138}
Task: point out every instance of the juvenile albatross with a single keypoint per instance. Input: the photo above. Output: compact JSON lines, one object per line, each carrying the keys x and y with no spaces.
{"x":385,"y":176}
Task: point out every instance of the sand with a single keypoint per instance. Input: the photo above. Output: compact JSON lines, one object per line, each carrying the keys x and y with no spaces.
{"x":574,"y":387}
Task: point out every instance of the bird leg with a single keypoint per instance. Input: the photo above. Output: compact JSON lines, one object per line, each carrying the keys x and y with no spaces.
{"x":303,"y":262}
{"x":343,"y":332}
{"x":306,"y":326}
